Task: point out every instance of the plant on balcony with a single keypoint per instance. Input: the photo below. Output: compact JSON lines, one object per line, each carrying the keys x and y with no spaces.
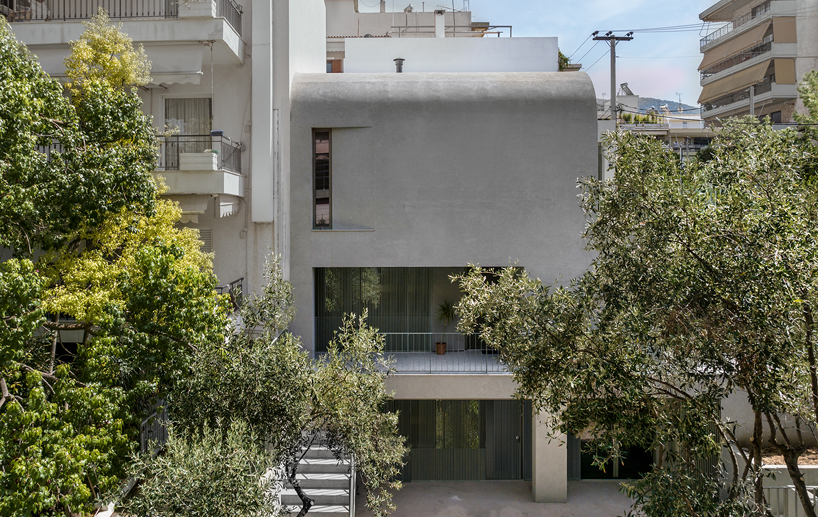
{"x":446,"y":315}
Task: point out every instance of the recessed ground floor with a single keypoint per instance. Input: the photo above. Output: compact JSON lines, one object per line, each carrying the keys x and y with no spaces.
{"x":501,"y":499}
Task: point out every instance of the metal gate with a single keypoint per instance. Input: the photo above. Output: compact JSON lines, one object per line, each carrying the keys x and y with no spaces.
{"x":465,"y":439}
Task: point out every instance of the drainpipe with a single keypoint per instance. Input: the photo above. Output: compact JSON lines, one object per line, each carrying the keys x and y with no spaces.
{"x":440,"y":23}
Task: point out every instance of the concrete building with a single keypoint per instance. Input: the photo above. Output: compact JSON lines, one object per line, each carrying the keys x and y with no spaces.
{"x":760,"y":53}
{"x":403,"y":179}
{"x":221,"y":74}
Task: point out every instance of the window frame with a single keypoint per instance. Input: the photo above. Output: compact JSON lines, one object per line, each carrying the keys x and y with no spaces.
{"x":315,"y":225}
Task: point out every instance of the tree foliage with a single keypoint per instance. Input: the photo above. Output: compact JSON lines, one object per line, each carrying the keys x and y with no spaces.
{"x":261,"y":379}
{"x":62,"y":166}
{"x":703,"y":284}
{"x":105,"y":53}
{"x":96,"y":253}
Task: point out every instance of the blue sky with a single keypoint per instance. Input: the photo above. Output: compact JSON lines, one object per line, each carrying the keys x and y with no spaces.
{"x":653,"y":64}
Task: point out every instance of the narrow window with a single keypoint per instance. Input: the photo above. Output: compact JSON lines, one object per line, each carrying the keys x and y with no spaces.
{"x":322,"y":178}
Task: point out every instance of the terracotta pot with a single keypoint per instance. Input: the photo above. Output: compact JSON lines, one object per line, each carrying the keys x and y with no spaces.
{"x":441,"y":348}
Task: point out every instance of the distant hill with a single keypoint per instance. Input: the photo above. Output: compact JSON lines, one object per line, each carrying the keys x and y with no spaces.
{"x":647,"y":102}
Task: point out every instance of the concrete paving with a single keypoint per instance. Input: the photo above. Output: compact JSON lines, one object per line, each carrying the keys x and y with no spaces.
{"x":501,"y":499}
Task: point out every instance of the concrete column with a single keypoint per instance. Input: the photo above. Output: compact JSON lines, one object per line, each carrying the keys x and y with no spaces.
{"x":261,"y":138}
{"x":440,"y":24}
{"x":549,"y":483}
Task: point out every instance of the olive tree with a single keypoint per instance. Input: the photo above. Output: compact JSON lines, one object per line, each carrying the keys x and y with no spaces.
{"x":287,"y":402}
{"x":703,"y":283}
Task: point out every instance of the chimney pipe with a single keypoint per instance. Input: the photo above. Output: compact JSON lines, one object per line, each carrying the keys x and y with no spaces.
{"x":399,"y":65}
{"x":440,"y":23}
{"x":383,"y":6}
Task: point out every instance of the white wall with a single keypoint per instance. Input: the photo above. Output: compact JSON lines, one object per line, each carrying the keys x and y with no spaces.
{"x":370,"y":55}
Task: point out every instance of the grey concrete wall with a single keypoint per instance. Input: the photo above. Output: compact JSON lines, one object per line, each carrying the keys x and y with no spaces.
{"x":451,"y":387}
{"x":442,"y":170}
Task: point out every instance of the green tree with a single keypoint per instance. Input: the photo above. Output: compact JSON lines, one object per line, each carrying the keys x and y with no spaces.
{"x":703,"y":282}
{"x":92,"y":243}
{"x":261,"y":379}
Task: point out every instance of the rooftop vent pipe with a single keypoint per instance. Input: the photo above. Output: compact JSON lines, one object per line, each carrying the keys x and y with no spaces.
{"x":399,"y":65}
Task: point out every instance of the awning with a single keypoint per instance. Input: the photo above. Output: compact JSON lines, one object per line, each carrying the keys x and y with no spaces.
{"x":735,"y":45}
{"x":736,"y":81}
{"x":784,"y":30}
{"x":170,"y":64}
{"x":785,"y":71}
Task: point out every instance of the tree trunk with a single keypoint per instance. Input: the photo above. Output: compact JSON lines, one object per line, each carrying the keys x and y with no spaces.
{"x":306,"y":502}
{"x":791,"y":460}
{"x":810,"y":323}
{"x":758,"y":479}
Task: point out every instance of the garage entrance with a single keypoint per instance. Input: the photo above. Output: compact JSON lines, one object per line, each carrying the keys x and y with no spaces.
{"x":458,"y":440}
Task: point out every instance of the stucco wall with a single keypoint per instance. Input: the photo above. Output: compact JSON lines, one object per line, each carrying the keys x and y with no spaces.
{"x":442,"y":170}
{"x":368,"y":55}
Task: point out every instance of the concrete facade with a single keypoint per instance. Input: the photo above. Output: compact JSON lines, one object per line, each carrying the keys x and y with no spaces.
{"x":442,"y":170}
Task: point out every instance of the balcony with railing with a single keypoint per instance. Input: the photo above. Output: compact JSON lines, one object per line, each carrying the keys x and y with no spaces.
{"x":70,"y":10}
{"x":764,"y":47}
{"x":441,"y":353}
{"x":201,"y":164}
{"x":752,"y":18}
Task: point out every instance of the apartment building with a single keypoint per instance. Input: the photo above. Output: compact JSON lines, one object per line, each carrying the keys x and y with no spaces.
{"x":754,"y":58}
{"x":221,"y":76}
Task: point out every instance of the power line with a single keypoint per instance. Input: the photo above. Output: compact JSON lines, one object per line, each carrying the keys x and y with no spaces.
{"x":577,"y":50}
{"x":598,"y":60}
{"x":585,"y":54}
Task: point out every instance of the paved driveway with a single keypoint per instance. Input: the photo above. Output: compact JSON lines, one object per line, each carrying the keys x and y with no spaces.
{"x":502,"y":499}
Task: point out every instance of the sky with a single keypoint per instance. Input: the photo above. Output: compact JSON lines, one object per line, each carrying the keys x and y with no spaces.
{"x":654,"y":64}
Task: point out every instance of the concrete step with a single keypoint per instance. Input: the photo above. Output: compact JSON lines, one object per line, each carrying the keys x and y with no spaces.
{"x":322,"y":466}
{"x":340,"y":481}
{"x":320,"y":496}
{"x":319,"y":453}
{"x":322,"y":510}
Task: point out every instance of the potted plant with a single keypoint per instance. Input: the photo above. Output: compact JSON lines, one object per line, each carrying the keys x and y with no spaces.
{"x":446,"y":315}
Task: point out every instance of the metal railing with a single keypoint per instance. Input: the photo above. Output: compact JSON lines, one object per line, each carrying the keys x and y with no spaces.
{"x":417,"y":352}
{"x":784,"y":501}
{"x":231,"y":11}
{"x":154,"y":430}
{"x":236,"y":291}
{"x":172,"y":148}
{"x":352,"y":486}
{"x":765,"y":46}
{"x":64,"y":10}
{"x":735,"y":24}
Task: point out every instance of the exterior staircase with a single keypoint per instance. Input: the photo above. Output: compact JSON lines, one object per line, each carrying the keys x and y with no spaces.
{"x":325,"y":480}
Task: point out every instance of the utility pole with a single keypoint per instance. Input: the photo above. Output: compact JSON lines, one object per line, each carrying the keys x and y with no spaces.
{"x":610,"y":38}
